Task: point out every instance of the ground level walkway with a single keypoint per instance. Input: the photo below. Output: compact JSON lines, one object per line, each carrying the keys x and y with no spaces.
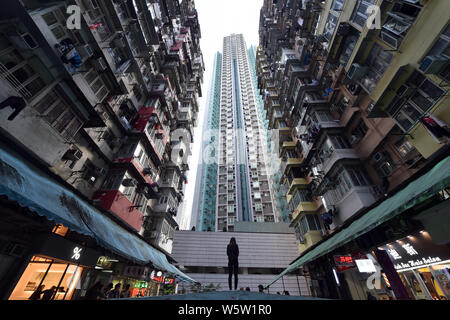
{"x":228,"y":295}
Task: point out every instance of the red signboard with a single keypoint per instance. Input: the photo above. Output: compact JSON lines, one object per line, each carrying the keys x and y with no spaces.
{"x":345,"y":262}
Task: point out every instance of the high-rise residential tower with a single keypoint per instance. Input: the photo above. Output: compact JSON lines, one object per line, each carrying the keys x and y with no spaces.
{"x":235,"y":181}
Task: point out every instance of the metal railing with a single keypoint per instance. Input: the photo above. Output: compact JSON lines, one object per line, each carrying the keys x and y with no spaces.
{"x":15,"y":84}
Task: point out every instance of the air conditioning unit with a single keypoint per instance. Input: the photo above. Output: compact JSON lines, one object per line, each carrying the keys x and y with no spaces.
{"x":357,"y":71}
{"x":120,"y":42}
{"x":101,"y":171}
{"x":404,"y":91}
{"x":433,"y":64}
{"x":378,"y":156}
{"x":73,"y":154}
{"x":129,"y":183}
{"x":123,"y":87}
{"x":85,"y":51}
{"x":354,"y":89}
{"x":354,"y":139}
{"x":99,"y":64}
{"x":389,"y":39}
{"x":105,"y":116}
{"x":23,"y":41}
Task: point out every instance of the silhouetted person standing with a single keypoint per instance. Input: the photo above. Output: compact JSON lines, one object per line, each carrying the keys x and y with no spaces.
{"x":233,"y":263}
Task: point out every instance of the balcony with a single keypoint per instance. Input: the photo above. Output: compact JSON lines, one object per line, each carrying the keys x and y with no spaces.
{"x":286,"y":165}
{"x":294,"y":183}
{"x":335,"y":155}
{"x":150,"y":124}
{"x":123,"y":195}
{"x":170,"y":178}
{"x":398,"y":23}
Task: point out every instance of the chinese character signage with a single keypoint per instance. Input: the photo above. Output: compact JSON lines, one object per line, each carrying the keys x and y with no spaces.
{"x":344,"y":262}
{"x":415,"y":251}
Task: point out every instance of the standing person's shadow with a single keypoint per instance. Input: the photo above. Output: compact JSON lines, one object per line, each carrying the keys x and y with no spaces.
{"x":233,"y":262}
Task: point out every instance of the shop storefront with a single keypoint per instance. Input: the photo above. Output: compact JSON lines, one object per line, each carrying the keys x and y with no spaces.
{"x":422,"y":266}
{"x":143,"y":280}
{"x":57,"y":263}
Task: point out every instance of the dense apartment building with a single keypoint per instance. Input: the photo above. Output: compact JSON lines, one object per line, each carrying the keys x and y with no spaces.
{"x":104,"y":111}
{"x":360,"y":100}
{"x":348,"y":99}
{"x":235,"y":181}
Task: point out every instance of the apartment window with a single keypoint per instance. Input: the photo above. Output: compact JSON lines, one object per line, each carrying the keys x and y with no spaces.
{"x":21,"y":75}
{"x":357,"y":177}
{"x":349,"y":177}
{"x":338,"y":5}
{"x":359,"y":15}
{"x":330,"y":26}
{"x":58,"y":114}
{"x":300,"y":195}
{"x":339,"y":142}
{"x":385,"y":166}
{"x":163,"y":199}
{"x":404,"y":147}
{"x":97,"y":84}
{"x":291,"y":154}
{"x":128,"y":191}
{"x":112,"y":182}
{"x":398,"y":22}
{"x":378,"y":61}
{"x":259,"y":218}
{"x":308,"y":223}
{"x":230,"y":209}
{"x":324,"y":116}
{"x":359,"y":131}
{"x":442,"y":45}
{"x":141,"y":156}
{"x":406,"y":111}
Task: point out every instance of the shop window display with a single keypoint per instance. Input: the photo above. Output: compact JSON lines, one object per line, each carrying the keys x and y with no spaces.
{"x":47,"y":272}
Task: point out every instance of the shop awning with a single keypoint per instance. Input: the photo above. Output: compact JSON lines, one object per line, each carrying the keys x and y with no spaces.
{"x":414,"y":193}
{"x":31,"y":187}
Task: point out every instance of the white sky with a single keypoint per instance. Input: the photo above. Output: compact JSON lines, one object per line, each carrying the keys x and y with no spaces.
{"x":217,"y":18}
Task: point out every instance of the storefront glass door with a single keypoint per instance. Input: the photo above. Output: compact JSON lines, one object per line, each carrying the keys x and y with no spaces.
{"x":47,"y":272}
{"x":442,"y":276}
{"x":415,"y":286}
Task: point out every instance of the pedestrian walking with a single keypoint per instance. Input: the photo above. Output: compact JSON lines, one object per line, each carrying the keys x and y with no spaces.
{"x":261,"y":288}
{"x":36,"y":295}
{"x":126,"y":291}
{"x":95,"y":292}
{"x":107,"y":289}
{"x":114,"y":294}
{"x":48,"y":294}
{"x":233,"y":262}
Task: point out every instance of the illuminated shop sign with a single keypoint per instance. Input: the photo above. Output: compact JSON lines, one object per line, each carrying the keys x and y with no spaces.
{"x":416,"y":251}
{"x":344,"y":262}
{"x":365,"y":266}
{"x":157,"y":276}
{"x":55,"y":246}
